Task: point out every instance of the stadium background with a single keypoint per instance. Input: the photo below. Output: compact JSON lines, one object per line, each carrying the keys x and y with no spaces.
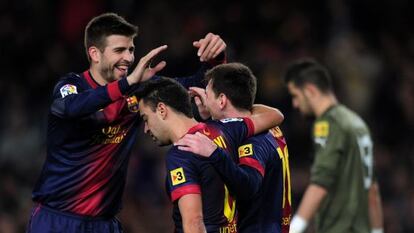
{"x":368,"y":46}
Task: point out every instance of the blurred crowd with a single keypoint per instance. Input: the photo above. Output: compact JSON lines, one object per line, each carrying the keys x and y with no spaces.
{"x":367,"y":45}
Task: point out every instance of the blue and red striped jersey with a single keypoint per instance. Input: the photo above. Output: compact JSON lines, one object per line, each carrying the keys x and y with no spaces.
{"x":187,"y":173}
{"x":269,"y":209}
{"x":258,"y":176}
{"x":91,"y":132}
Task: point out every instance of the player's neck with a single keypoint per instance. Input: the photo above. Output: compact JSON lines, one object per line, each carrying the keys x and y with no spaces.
{"x":324,"y":103}
{"x":180,"y":127}
{"x":97,"y":76}
{"x":232,"y":112}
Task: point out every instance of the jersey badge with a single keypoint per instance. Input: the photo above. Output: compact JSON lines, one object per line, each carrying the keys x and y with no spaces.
{"x":177,"y":176}
{"x":68,"y":89}
{"x":132,"y":103}
{"x":245,"y":150}
{"x":321,"y":129}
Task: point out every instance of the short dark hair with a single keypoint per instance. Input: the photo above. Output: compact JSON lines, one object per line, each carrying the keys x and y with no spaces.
{"x":236,"y":81}
{"x":308,"y":70}
{"x":104,"y":25}
{"x":168,"y":91}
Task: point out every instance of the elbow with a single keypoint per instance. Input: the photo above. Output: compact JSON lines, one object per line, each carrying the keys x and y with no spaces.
{"x":279,"y":117}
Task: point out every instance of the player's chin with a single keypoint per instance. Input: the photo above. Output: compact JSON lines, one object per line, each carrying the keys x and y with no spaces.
{"x":118,"y":73}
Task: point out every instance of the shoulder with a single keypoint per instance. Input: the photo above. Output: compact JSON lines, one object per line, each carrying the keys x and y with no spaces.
{"x":176,"y":156}
{"x":70,"y":80}
{"x":345,"y":119}
{"x":71,"y":77}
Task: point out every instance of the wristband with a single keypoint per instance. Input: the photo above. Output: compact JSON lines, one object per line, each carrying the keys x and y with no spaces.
{"x":377,"y":230}
{"x":298,"y":224}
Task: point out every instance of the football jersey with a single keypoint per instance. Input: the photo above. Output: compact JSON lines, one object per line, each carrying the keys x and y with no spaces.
{"x":344,"y":166}
{"x":91,"y":131}
{"x":187,"y":173}
{"x":260,"y":183}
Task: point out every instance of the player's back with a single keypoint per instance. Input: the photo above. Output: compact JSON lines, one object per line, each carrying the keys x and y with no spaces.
{"x":269,"y":210}
{"x":344,"y":149}
{"x":190,"y":174}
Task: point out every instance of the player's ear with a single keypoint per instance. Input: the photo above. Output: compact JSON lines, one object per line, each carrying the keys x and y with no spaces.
{"x":162,"y":110}
{"x":222,"y":98}
{"x":310,"y":90}
{"x":94,"y":54}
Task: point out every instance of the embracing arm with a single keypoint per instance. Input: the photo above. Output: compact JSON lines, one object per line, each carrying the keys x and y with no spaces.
{"x":243,"y":181}
{"x":265,"y":117}
{"x":190,"y":206}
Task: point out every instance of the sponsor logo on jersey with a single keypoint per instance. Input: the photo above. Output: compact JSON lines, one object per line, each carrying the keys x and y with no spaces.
{"x":132,"y":103}
{"x":321,"y":129}
{"x":68,"y":89}
{"x":177,"y":176}
{"x":231,"y":120}
{"x":109,"y":135}
{"x":245,"y":150}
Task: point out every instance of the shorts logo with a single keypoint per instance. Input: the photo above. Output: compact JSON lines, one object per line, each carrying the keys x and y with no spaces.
{"x":321,"y":129}
{"x":245,"y":150}
{"x":132,"y":103}
{"x":68,"y":89}
{"x":177,"y":176}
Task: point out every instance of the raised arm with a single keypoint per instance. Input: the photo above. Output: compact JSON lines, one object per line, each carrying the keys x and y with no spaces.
{"x":211,"y":51}
{"x":190,"y":206}
{"x":265,"y":117}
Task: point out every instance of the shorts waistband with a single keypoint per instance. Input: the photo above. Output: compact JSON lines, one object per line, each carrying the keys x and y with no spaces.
{"x":72,"y":215}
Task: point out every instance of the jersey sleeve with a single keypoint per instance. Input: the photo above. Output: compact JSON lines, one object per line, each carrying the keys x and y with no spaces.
{"x":182,"y":174}
{"x":197,"y":79}
{"x":243,"y":181}
{"x":71,"y":99}
{"x":329,"y":142}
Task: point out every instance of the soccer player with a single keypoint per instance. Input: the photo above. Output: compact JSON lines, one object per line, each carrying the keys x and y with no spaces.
{"x":342,"y":171}
{"x":258,"y":173}
{"x":201,"y":201}
{"x":92,"y":126}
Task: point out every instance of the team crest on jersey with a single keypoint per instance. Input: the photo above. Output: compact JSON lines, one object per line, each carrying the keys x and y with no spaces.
{"x":177,"y":176}
{"x":321,"y":129}
{"x":231,"y":120}
{"x":132,"y":103}
{"x":245,"y":150}
{"x":68,"y":89}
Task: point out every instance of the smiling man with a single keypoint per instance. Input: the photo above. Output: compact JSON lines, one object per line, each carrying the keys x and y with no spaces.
{"x":92,"y":127}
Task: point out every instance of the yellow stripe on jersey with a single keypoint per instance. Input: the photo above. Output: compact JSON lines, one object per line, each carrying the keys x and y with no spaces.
{"x":177,"y":176}
{"x":245,"y":150}
{"x":229,"y":206}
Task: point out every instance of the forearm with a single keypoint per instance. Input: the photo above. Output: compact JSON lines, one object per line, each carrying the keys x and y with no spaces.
{"x":242,"y":181}
{"x":195,"y":225}
{"x":265,"y":117}
{"x":309,"y":205}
